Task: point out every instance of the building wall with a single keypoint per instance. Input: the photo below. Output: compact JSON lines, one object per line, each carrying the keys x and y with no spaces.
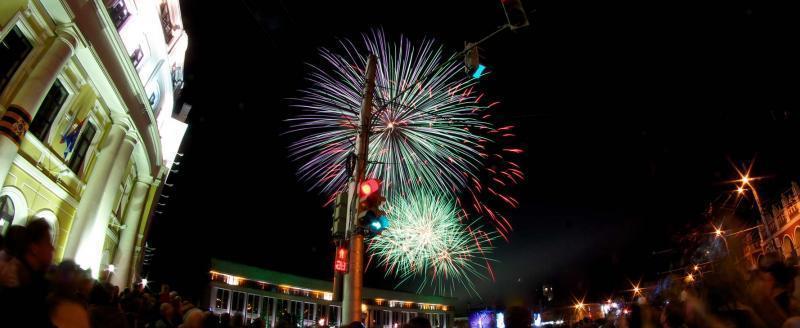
{"x":39,"y":181}
{"x":307,"y":311}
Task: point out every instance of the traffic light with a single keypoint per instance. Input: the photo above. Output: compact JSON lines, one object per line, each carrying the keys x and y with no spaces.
{"x":340,"y":263}
{"x":472,"y":61}
{"x":471,"y":57}
{"x":515,"y":14}
{"x":472,"y":64}
{"x":339,"y":215}
{"x":369,"y":201}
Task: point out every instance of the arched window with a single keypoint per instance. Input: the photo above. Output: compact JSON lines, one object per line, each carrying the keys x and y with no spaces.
{"x":796,"y":235}
{"x":788,"y":247}
{"x":13,"y":208}
{"x":6,"y":213}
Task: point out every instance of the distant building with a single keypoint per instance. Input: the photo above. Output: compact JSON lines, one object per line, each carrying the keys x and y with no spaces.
{"x":780,"y":229}
{"x":88,"y":133}
{"x":266,"y":294}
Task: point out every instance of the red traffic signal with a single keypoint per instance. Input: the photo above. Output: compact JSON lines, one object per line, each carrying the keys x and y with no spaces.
{"x":340,"y":264}
{"x":368,"y":187}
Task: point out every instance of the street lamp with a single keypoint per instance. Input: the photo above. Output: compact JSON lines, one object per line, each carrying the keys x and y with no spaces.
{"x":689,"y":278}
{"x":746,"y":180}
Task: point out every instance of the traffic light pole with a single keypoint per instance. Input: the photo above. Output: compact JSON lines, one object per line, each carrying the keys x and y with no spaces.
{"x":354,"y":278}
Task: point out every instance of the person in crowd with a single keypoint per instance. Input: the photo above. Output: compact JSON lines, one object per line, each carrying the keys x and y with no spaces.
{"x":237,"y":321}
{"x":11,"y":256}
{"x":517,"y":317}
{"x":225,"y":320}
{"x":416,"y":322}
{"x":26,"y":296}
{"x":68,"y":311}
{"x":102,"y":311}
{"x":211,"y":320}
{"x":164,"y":295}
{"x":189,"y":311}
{"x":167,"y":316}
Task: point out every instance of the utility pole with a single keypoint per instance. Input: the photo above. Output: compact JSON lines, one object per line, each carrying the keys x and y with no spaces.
{"x":354,"y":278}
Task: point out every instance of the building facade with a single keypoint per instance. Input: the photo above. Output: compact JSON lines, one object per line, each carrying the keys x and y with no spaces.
{"x":88,"y":125}
{"x":265,"y":294}
{"x":780,"y":227}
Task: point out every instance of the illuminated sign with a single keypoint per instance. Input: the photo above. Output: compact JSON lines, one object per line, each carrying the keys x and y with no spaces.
{"x":340,"y":264}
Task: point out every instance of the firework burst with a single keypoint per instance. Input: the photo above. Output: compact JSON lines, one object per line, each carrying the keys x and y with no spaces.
{"x":427,"y":241}
{"x":425,"y":121}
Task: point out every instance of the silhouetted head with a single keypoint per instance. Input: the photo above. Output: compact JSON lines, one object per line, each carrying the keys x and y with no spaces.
{"x":517,"y":317}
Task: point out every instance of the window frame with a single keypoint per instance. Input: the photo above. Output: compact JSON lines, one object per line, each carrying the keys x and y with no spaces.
{"x":46,"y":138}
{"x":3,"y":35}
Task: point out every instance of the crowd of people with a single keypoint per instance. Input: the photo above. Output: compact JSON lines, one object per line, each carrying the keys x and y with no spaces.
{"x":35,"y":293}
{"x":727,"y":295}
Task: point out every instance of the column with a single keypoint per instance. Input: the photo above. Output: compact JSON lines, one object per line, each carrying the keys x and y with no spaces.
{"x":123,"y":259}
{"x":92,"y":237}
{"x":302,"y":316}
{"x":24,"y":105}
{"x":95,"y":186}
{"x":275,"y":303}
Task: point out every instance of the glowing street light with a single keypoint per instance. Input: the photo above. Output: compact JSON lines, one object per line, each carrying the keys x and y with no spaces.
{"x":689,"y":278}
{"x":696,"y":267}
{"x":718,"y":232}
{"x":745,"y":179}
{"x":740,"y":190}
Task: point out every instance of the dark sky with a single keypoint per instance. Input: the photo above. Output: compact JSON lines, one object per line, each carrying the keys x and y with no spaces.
{"x":631,"y":114}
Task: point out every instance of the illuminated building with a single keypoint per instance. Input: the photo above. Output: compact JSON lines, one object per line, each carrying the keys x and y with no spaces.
{"x":782,"y":233}
{"x":89,"y":131}
{"x":260,"y":293}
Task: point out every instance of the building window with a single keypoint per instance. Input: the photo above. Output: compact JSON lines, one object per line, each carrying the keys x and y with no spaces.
{"x":119,"y":13}
{"x":6,"y":213}
{"x":252,"y":304}
{"x":48,"y":111}
{"x":13,"y":50}
{"x":136,"y":56}
{"x":177,"y":77}
{"x":267,"y":303}
{"x":237,"y":303}
{"x":81,"y":147}
{"x":333,"y":316}
{"x":166,"y":21}
{"x":153,"y":96}
{"x":222,"y":299}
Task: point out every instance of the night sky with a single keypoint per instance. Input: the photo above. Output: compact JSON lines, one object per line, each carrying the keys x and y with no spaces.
{"x":632,"y":115}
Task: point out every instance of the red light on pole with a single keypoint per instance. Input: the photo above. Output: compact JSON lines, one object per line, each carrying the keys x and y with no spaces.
{"x":366,"y":188}
{"x":340,"y":264}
